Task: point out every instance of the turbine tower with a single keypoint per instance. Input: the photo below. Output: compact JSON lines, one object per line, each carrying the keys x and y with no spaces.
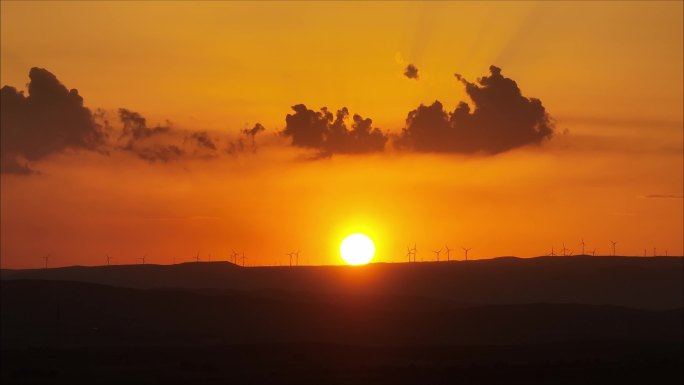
{"x":582,"y":243}
{"x":552,"y":254}
{"x":296,"y":253}
{"x":197,"y":257}
{"x":408,"y":253}
{"x":142,"y":259}
{"x":614,"y":243}
{"x":448,"y":252}
{"x":46,"y":258}
{"x":437,"y":253}
{"x":466,"y":252}
{"x":243,"y":259}
{"x":108,"y":259}
{"x":415,"y":252}
{"x":565,"y":250}
{"x":290,"y":254}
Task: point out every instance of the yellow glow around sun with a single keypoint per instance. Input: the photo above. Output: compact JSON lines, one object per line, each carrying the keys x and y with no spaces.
{"x":357,"y":249}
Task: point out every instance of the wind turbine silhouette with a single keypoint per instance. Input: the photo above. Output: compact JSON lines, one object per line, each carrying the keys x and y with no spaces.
{"x":415,"y":252}
{"x":654,"y":251}
{"x":408,"y":252}
{"x":197,"y":257}
{"x":243,"y":259}
{"x":46,"y":258}
{"x":290,"y":254}
{"x":552,"y":254}
{"x":296,"y":253}
{"x":235,"y":255}
{"x":614,"y":243}
{"x":593,"y":253}
{"x":564,"y":250}
{"x":582,"y":243}
{"x":108,"y":258}
{"x":466,"y":252}
{"x":448,"y":252}
{"x":437,"y":253}
{"x":143,"y":258}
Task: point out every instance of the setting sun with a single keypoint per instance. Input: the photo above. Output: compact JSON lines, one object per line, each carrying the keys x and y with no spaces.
{"x":357,"y":249}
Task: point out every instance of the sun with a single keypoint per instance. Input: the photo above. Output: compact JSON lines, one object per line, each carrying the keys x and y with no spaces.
{"x":357,"y":249}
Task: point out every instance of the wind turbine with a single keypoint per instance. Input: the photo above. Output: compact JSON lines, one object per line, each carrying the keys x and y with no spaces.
{"x":437,"y":253}
{"x":408,"y":253}
{"x":593,"y":252}
{"x":654,"y":251}
{"x":108,"y":258}
{"x":415,"y":252}
{"x":290,"y":254}
{"x":582,"y":243}
{"x":614,"y":243}
{"x":466,"y":252}
{"x":143,"y":258}
{"x":46,"y":258}
{"x":243,"y":259}
{"x":197,"y":257}
{"x":296,"y":253}
{"x":552,"y":254}
{"x":448,"y":252}
{"x":235,"y":255}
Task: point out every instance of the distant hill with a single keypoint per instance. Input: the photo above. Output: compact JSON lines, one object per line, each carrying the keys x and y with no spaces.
{"x":63,"y":314}
{"x":645,"y":283}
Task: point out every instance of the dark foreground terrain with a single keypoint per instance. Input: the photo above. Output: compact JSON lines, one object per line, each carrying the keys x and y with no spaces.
{"x":59,"y":326}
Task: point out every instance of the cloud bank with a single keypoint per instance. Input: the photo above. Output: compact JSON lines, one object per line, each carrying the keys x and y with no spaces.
{"x":50,"y":119}
{"x":502,"y":119}
{"x":53,"y":118}
{"x":328,"y":133}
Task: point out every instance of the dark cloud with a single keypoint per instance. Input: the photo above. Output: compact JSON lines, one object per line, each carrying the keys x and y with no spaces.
{"x":254,"y":130}
{"x":411,"y":72}
{"x":329,"y":134}
{"x":202,"y":139}
{"x":161,"y":153}
{"x":135,"y":126}
{"x":148,"y":143}
{"x":502,"y":119}
{"x":252,"y":133}
{"x":50,"y":119}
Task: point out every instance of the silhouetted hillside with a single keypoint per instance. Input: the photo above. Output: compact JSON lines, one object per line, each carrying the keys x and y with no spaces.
{"x":647,"y":283}
{"x":59,"y":314}
{"x":76,"y":332}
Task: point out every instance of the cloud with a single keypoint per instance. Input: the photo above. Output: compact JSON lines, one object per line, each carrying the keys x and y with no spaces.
{"x":411,"y":72}
{"x":254,"y":130}
{"x":202,"y":140}
{"x":50,"y":119}
{"x":329,"y":134}
{"x":148,"y":143}
{"x":502,"y":119}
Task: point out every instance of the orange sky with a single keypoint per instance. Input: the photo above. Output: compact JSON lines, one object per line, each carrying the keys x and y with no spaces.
{"x":610,"y":74}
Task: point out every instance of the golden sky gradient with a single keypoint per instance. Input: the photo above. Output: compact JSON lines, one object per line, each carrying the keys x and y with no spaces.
{"x":609,"y":73}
